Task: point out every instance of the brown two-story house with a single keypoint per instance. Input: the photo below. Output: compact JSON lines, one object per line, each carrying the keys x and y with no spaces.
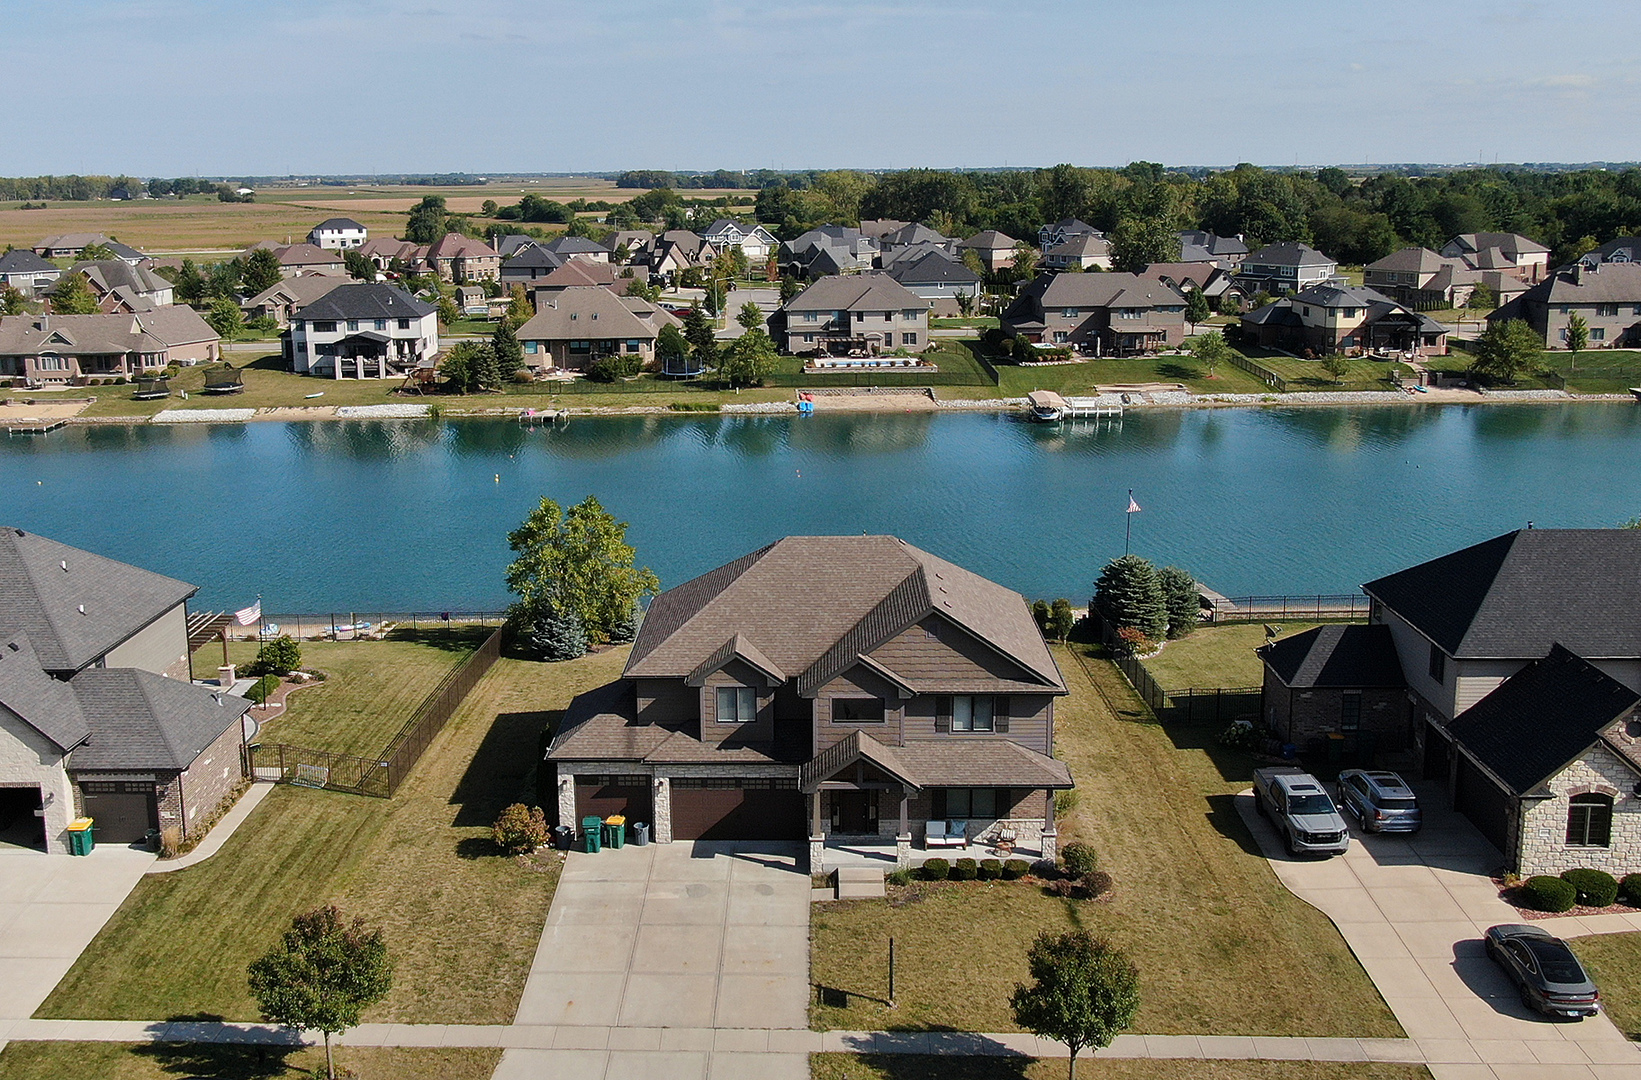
{"x":857,"y":313}
{"x":824,"y":687}
{"x":1098,"y":314}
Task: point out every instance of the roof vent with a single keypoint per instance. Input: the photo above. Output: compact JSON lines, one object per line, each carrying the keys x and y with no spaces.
{"x":12,"y":645}
{"x":82,"y":609}
{"x":63,"y":563}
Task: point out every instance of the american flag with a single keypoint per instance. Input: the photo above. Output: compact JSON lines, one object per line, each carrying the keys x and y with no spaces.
{"x":247,"y":616}
{"x":1133,"y":507}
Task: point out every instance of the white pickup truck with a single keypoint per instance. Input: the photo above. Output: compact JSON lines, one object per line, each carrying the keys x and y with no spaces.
{"x":1300,"y":809}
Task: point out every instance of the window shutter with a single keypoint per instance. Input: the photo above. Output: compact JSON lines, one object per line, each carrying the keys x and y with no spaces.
{"x":942,"y":715}
{"x":937,"y":804}
{"x":1000,"y":716}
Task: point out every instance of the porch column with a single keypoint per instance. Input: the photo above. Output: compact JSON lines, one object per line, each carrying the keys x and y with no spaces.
{"x":662,"y":809}
{"x":817,"y":838}
{"x":903,"y":839}
{"x":1051,"y":838}
{"x":566,"y":797}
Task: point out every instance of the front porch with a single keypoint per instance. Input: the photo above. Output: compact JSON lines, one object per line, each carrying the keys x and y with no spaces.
{"x":886,"y":854}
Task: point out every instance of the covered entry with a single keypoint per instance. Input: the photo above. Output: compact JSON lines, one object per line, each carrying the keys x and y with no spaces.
{"x":21,"y":824}
{"x":736,"y":808}
{"x":628,"y":796}
{"x":123,"y":810}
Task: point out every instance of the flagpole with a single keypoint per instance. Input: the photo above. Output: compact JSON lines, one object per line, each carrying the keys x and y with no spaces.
{"x":1128,"y":523}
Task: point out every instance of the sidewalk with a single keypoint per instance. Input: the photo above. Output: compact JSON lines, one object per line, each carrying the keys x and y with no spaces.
{"x":220,"y":832}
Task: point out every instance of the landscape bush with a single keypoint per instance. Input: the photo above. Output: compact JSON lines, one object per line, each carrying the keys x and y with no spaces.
{"x":619,"y":366}
{"x":1545,"y":893}
{"x":936,"y":869}
{"x":1630,"y":888}
{"x":1078,"y":859}
{"x":1094,"y":885}
{"x":524,"y":376}
{"x":991,"y":869}
{"x":1241,"y":735}
{"x":520,"y":829}
{"x":1015,"y":869}
{"x":280,"y":656}
{"x":965,"y":870}
{"x":902,"y":876}
{"x":1596,"y":888}
{"x":263,"y":688}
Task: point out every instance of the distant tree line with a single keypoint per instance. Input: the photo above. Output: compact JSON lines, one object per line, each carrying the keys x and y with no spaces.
{"x":719,"y":178}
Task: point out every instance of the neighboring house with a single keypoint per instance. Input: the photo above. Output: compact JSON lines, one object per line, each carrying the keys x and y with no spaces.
{"x":459,"y":258}
{"x":636,"y":241}
{"x":69,"y":246}
{"x":1423,"y":279}
{"x":996,"y":250}
{"x":828,"y":249}
{"x":1527,"y":259}
{"x":575,"y":326}
{"x":383,"y":252}
{"x":1204,"y":277}
{"x":338,"y":234}
{"x":513,"y":243}
{"x":301,"y":260}
{"x":577,"y":273}
{"x":756,"y":242}
{"x":878,"y":228}
{"x":27,"y":272}
{"x":914,"y":236}
{"x":64,"y":350}
{"x":1606,"y":295}
{"x":939,"y":280}
{"x":1225,"y":252}
{"x":1100,"y":314}
{"x":578,"y":247}
{"x":673,"y":252}
{"x":98,"y":717}
{"x":844,"y":689}
{"x":1284,"y":268}
{"x":528,"y":265}
{"x":363,"y":330}
{"x":1624,"y":249}
{"x":1052,"y":236}
{"x":1337,"y":681}
{"x":861,"y":313}
{"x":119,"y":286}
{"x":1328,"y":318}
{"x":1084,"y":251}
{"x":470,"y":300}
{"x":905,"y":256}
{"x":281,"y":302}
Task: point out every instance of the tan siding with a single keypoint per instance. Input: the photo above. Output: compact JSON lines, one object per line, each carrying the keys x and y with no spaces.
{"x":736,"y":673}
{"x":1473,"y":680}
{"x":160,"y":647}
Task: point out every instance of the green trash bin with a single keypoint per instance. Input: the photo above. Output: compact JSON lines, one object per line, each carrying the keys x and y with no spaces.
{"x":615,"y":836}
{"x":592,"y":833}
{"x":79,"y":837}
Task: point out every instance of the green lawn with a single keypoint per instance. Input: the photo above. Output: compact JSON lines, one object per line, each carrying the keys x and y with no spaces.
{"x":158,"y":1061}
{"x":976,"y":322}
{"x":916,"y":1067}
{"x":1215,"y":656}
{"x":1615,"y":961}
{"x":1195,"y":905}
{"x":1362,"y":373}
{"x":462,"y":921}
{"x":1082,"y":378}
{"x":1603,"y":371}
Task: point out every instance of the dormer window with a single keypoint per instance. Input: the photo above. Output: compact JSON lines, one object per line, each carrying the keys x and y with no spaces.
{"x":851,"y":710}
{"x":737,"y":704}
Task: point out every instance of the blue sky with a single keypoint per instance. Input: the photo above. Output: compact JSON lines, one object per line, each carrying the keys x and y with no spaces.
{"x":179,"y":87}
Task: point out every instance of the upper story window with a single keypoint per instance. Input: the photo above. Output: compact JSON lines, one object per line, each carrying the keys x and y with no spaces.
{"x":857,"y":710}
{"x":737,"y":704}
{"x":973,"y":713}
{"x":910,"y":313}
{"x":324,"y":328}
{"x":353,"y":324}
{"x":404,"y":324}
{"x":811,"y":316}
{"x":381,"y":324}
{"x":1438,"y":663}
{"x":1606,"y":309}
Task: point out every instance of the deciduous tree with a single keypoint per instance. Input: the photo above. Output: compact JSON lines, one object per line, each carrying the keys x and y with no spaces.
{"x":1196,"y":307}
{"x":428,"y":221}
{"x":1210,"y":350}
{"x":750,"y":316}
{"x":1505,"y":350}
{"x":1578,"y":336}
{"x":577,"y":563}
{"x":1336,"y":364}
{"x":225,"y":318}
{"x":1138,"y":241}
{"x":1083,"y":992}
{"x":358,"y":266}
{"x":519,"y":310}
{"x":748,"y":360}
{"x":72,"y":296}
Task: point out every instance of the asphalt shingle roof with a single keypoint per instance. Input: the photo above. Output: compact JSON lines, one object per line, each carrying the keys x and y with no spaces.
{"x":1511,"y":597}
{"x":934,"y":269}
{"x":1288,"y":253}
{"x":1336,"y":655}
{"x":1541,"y":718}
{"x":875,"y":291}
{"x":337,"y":224}
{"x":46,"y":704}
{"x":24,"y":261}
{"x":366,"y":300}
{"x":140,"y":720}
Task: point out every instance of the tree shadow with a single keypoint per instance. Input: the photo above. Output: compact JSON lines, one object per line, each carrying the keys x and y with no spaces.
{"x":474,"y":848}
{"x":495,"y":777}
{"x":273,"y":362}
{"x":942,"y":1067}
{"x":461,"y":638}
{"x":1180,"y":372}
{"x":209,"y":1061}
{"x":1232,"y":764}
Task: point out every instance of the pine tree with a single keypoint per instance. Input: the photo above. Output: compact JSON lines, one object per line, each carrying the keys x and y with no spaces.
{"x":556,"y":633}
{"x":487,"y":370}
{"x":1179,"y":593}
{"x":1127,"y":594}
{"x":625,"y":628}
{"x":509,"y":353}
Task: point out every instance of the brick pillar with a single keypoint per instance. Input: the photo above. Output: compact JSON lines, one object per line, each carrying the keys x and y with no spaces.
{"x":663,"y":810}
{"x":903,"y":838}
{"x":1051,"y":836}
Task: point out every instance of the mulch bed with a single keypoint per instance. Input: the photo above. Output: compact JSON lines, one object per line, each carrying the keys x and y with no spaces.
{"x":1511,"y":894}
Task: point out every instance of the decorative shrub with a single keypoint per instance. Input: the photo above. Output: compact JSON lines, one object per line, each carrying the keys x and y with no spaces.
{"x":280,"y":656}
{"x":965,"y":870}
{"x":520,"y":829}
{"x":936,"y":869}
{"x":1094,"y":884}
{"x":263,"y":688}
{"x":1015,"y":869}
{"x":991,"y":869}
{"x":1241,"y":735}
{"x":1596,"y":888}
{"x":1063,"y":887}
{"x":1630,"y":889}
{"x":618,"y":366}
{"x":902,"y":876}
{"x":524,"y":376}
{"x":1078,"y":859}
{"x":1544,"y":893}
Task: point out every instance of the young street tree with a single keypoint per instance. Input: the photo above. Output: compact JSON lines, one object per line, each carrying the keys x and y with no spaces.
{"x":1083,"y":992}
{"x":1196,"y":307}
{"x":750,"y":316}
{"x":576,"y":564}
{"x":1128,"y":594}
{"x":1578,"y":336}
{"x":323,"y":974}
{"x":1505,"y":350}
{"x":261,"y":271}
{"x":1337,"y":365}
{"x":1210,"y":350}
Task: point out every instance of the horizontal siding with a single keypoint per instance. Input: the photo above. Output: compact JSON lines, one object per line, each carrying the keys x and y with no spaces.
{"x":737,"y":673}
{"x":1474,"y":679}
{"x":1029,"y":721}
{"x":936,"y":651}
{"x":857,"y":682}
{"x":667,"y":701}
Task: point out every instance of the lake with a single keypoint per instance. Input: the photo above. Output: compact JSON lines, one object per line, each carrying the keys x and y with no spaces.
{"x":413,"y":515}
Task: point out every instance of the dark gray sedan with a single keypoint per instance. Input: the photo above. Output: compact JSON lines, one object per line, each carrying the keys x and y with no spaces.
{"x":1550,"y":978}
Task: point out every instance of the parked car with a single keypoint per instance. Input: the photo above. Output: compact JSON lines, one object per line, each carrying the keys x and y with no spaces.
{"x":1299,"y":807}
{"x":1381,"y":801}
{"x":1549,"y":976}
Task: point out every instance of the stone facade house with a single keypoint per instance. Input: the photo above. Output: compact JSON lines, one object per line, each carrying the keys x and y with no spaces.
{"x":98,"y":716}
{"x":860,"y":313}
{"x":1111,"y":314}
{"x":832,"y":688}
{"x":575,"y":326}
{"x":1607,"y":295}
{"x":756,"y":242}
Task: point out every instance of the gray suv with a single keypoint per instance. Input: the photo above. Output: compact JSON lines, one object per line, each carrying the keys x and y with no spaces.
{"x":1380,"y":801}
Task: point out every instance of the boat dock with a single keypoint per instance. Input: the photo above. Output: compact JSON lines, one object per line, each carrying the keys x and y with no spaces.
{"x":532,"y":417}
{"x":1048,"y":407}
{"x":32,"y":427}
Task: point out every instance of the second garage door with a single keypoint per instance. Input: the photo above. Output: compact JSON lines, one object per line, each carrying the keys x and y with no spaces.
{"x":736,"y":808}
{"x":122,"y":811}
{"x":606,"y":795}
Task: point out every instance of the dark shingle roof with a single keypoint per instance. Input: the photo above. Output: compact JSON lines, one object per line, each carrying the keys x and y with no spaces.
{"x":533,"y":256}
{"x":366,"y":301}
{"x":46,"y":704}
{"x":24,"y":261}
{"x":337,"y":224}
{"x":1288,"y":253}
{"x":575,"y":245}
{"x":1336,"y":656}
{"x":933,"y":269}
{"x":140,"y":720}
{"x":1516,"y":594}
{"x":1541,"y":718}
{"x":41,"y":599}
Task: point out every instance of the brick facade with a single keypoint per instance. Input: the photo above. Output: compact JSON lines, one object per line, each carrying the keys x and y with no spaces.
{"x":1542,"y":840}
{"x":1299,"y":715}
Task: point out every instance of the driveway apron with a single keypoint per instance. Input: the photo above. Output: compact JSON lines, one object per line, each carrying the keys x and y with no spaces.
{"x":1413,"y":909}
{"x":663,"y":960}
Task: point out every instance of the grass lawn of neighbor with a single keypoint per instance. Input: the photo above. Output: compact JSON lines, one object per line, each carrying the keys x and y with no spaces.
{"x":1615,"y":962}
{"x":920,"y":1067}
{"x":1194,"y":904}
{"x":462,"y":921}
{"x":1215,"y":656}
{"x":1082,"y":378}
{"x":165,"y":1061}
{"x":1309,"y":375}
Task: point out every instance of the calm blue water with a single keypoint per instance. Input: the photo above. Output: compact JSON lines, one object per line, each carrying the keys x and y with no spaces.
{"x":357,"y":515}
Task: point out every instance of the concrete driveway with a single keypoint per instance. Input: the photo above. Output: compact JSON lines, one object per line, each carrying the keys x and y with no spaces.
{"x":51,"y":906}
{"x":656,"y":960}
{"x":1413,"y":910}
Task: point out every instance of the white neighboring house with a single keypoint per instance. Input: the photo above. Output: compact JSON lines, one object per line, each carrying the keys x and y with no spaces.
{"x":363,"y":331}
{"x":755,"y":243}
{"x":338,"y":233}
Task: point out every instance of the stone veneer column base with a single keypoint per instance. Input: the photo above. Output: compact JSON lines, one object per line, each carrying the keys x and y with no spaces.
{"x":817,"y":854}
{"x":566,"y":798}
{"x":903,"y":851}
{"x":1051,"y":844}
{"x":661,"y":808}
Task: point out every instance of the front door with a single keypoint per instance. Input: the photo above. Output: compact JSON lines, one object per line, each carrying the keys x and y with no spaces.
{"x":854,"y":813}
